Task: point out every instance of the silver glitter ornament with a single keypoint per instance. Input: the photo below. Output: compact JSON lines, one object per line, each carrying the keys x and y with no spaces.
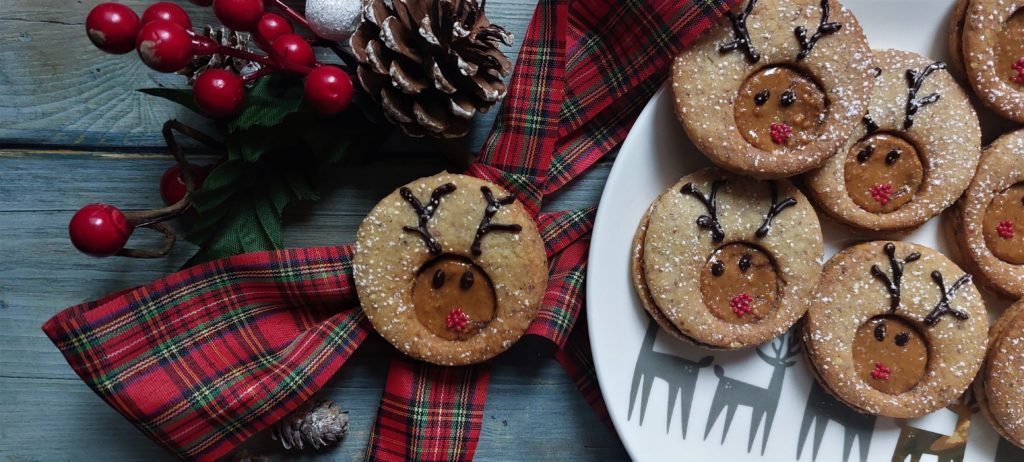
{"x":334,"y":19}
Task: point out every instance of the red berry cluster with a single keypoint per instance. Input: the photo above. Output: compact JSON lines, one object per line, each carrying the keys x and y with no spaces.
{"x":165,"y":42}
{"x":881,"y":193}
{"x":881,"y":372}
{"x":740,"y":304}
{"x":780,"y":132}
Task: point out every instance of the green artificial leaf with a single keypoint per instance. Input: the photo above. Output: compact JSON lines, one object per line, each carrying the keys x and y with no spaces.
{"x":240,"y":205}
{"x":268,"y":102}
{"x":251,"y":144}
{"x":182,"y":96}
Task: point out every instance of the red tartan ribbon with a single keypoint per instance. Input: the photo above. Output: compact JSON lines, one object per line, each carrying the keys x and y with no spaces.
{"x":585,"y":71}
{"x":205,"y":357}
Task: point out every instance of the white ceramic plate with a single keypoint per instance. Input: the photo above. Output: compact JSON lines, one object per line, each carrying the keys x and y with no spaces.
{"x":659,"y":391}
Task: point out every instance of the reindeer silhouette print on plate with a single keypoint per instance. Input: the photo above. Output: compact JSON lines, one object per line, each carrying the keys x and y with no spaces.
{"x":990,"y":219}
{"x":762,"y":401}
{"x":895,"y":329}
{"x":775,"y":88}
{"x":914,"y":443}
{"x":821,"y":409}
{"x":913,"y":155}
{"x":450,"y":269}
{"x":679,"y":373}
{"x":725,"y":261}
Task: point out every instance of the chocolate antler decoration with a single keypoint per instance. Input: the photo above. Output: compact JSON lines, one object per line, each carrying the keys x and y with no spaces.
{"x":893,"y":285}
{"x":425,"y":213}
{"x":824,"y":27}
{"x":493,"y":205}
{"x":742,"y":40}
{"x":773,"y":211}
{"x":914,"y":81}
{"x":709,"y":221}
{"x":943,"y":307}
{"x":869,"y":123}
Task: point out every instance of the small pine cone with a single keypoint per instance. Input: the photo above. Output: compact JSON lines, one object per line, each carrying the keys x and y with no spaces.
{"x":431,"y":64}
{"x":226,"y":37}
{"x":321,"y":425}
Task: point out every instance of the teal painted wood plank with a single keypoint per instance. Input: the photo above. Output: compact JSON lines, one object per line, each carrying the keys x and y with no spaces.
{"x":534,"y":411}
{"x":57,"y":89}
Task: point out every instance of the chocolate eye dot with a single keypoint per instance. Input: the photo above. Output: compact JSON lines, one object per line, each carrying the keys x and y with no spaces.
{"x":718,"y":268}
{"x":438,"y":279}
{"x":466,"y":281}
{"x":902,"y":338}
{"x":745,"y":262}
{"x":878,"y":72}
{"x":865,"y":153}
{"x":893,"y":156}
{"x":762,"y":97}
{"x":788,"y":97}
{"x":880,"y":331}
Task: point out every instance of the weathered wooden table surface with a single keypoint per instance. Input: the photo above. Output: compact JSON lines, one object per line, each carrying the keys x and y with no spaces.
{"x":74,"y":131}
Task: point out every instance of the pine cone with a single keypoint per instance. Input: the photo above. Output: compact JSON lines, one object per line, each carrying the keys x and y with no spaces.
{"x":321,"y":425}
{"x":226,"y":37}
{"x":431,"y":64}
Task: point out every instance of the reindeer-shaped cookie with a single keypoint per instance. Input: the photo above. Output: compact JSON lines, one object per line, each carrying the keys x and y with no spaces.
{"x":911,"y":156}
{"x":895,"y":329}
{"x":450,"y":269}
{"x":775,"y":89}
{"x":727,"y":261}
{"x":998,"y":386}
{"x":990,"y":219}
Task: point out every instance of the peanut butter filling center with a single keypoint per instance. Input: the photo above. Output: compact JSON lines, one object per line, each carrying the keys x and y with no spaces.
{"x":890,"y":354}
{"x":740,"y":284}
{"x":1003,"y":225}
{"x":453,"y":298}
{"x":1010,"y":50}
{"x":882,"y":172}
{"x":779,"y":108}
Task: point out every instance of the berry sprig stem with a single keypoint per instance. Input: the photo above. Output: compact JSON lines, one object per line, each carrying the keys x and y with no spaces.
{"x":291,"y":13}
{"x":206,"y":46}
{"x":166,"y":42}
{"x":102,"y":230}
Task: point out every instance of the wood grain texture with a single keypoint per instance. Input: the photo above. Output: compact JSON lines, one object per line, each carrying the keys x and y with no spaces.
{"x":76,"y":132}
{"x":533,"y":413}
{"x":57,"y":89}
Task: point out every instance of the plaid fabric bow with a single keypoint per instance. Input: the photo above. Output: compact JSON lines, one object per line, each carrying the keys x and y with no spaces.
{"x":205,"y":357}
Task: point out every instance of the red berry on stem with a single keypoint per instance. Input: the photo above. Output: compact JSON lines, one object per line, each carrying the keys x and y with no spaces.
{"x":294,"y":49}
{"x":239,"y":14}
{"x":167,"y":11}
{"x":165,"y":46}
{"x":219,"y":93}
{"x":172,"y":183}
{"x":271,"y":26}
{"x":328,"y":89}
{"x":112,"y":27}
{"x":99,"y":230}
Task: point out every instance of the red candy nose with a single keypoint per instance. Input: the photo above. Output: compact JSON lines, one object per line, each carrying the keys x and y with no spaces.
{"x":1005,"y":229}
{"x":1019,"y":67}
{"x":881,"y":372}
{"x":780,"y":132}
{"x":740,"y":304}
{"x":881,"y":193}
{"x":457,"y":320}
